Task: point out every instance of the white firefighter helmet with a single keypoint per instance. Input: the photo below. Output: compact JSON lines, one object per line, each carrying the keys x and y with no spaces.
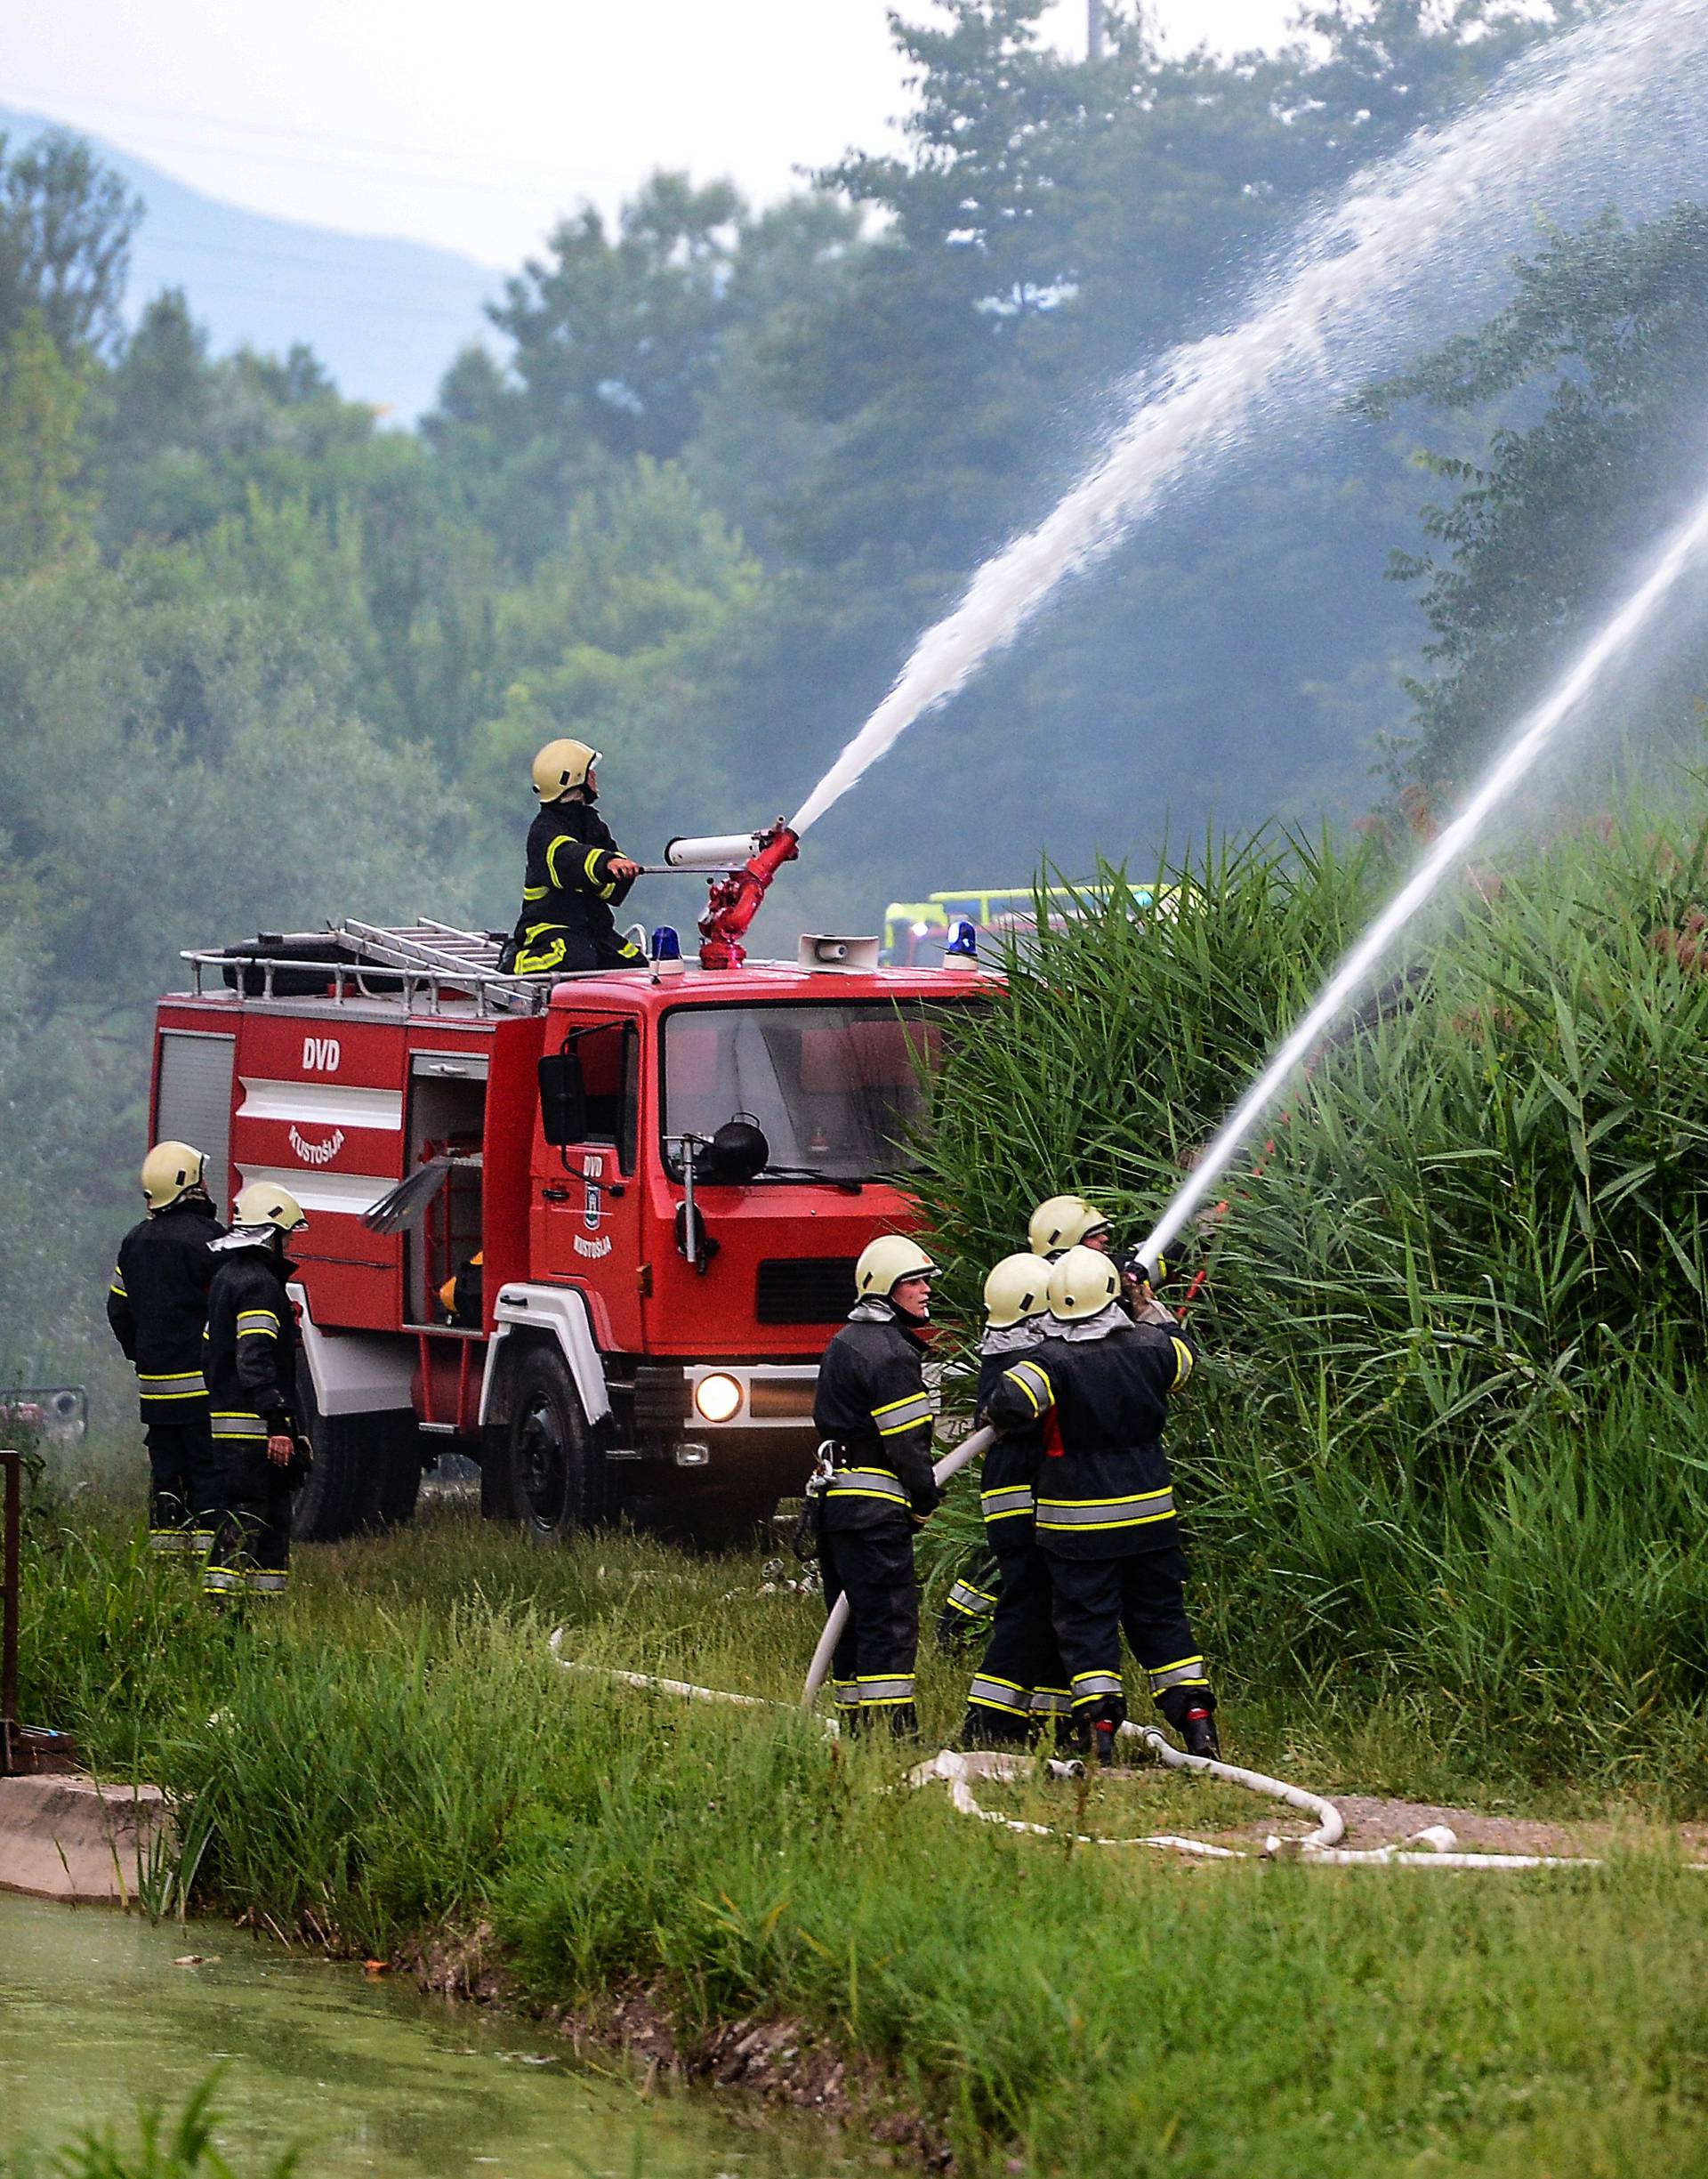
{"x":1063,"y":1221}
{"x":171,"y":1170}
{"x":561,"y":766}
{"x":1082,"y":1283}
{"x":264,"y":1203}
{"x":885,"y":1262}
{"x":1018,"y":1287}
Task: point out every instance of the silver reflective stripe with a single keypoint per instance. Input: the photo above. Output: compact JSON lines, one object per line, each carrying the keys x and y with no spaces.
{"x":1000,"y":1505}
{"x":1051,"y":1701}
{"x":1188,"y":1673}
{"x":238,"y":1426}
{"x":865,"y":1483}
{"x":173,"y":1384}
{"x":880,"y":1689}
{"x":902,"y":1415}
{"x":269,"y":1585}
{"x":220,"y":1580}
{"x":168,"y":1540}
{"x":998,"y":1695}
{"x":1033,"y":1383}
{"x":1089,"y":1685}
{"x":848,"y":1693}
{"x":1106,"y":1513}
{"x":976,"y":1602}
{"x":260,"y":1323}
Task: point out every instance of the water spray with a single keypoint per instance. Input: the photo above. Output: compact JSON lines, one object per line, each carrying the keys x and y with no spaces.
{"x":1370,"y":247}
{"x":1682,"y":547}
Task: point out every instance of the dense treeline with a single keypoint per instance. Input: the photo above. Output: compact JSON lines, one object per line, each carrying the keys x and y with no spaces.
{"x":263,"y":659}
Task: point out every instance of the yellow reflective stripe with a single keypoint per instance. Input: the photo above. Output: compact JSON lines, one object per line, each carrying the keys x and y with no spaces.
{"x":903,"y":1415}
{"x":907,"y":1400}
{"x":1182,"y":1363}
{"x":1032,"y":1381}
{"x":533,"y":962}
{"x":534,"y":893}
{"x":589,"y":868}
{"x":564,"y":839}
{"x":118,"y":1285}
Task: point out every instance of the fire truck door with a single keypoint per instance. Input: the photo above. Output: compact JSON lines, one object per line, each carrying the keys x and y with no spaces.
{"x":588,"y":1201}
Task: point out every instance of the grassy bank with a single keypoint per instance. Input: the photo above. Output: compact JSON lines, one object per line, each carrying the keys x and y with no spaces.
{"x":395,"y":1757}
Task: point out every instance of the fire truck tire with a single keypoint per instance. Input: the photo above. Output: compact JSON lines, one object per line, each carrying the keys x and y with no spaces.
{"x":553,"y":1470}
{"x":405,"y":1451}
{"x":340,"y":1495}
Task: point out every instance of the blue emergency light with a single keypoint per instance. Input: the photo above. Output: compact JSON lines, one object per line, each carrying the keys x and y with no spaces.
{"x":963,"y":940}
{"x":666,"y":944}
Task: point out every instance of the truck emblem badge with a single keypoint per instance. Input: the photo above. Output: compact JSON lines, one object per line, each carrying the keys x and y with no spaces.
{"x":317,"y":1153}
{"x":592,"y":1209}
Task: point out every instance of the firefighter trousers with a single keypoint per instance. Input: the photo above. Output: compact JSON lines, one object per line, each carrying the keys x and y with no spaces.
{"x":185,"y":1484}
{"x":1020,"y":1686}
{"x":252,"y":1552}
{"x":1144,"y":1594}
{"x":967,"y":1608}
{"x":553,"y":948}
{"x":873,"y":1664}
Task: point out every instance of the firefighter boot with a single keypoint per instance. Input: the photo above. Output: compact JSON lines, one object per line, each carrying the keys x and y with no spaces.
{"x":1103,"y":1743}
{"x":1198,"y":1731}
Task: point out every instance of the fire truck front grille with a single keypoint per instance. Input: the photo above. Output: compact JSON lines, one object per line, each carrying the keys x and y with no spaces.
{"x":804,"y":1289}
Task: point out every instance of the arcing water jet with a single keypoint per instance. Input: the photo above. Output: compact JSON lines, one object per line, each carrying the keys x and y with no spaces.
{"x":1374,"y":242}
{"x":1686,"y":544}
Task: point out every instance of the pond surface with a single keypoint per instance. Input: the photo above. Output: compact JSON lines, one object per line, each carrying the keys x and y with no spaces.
{"x":367,"y":2076}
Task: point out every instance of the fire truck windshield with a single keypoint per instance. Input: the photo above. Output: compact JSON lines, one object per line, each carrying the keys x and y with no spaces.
{"x":835,"y":1088}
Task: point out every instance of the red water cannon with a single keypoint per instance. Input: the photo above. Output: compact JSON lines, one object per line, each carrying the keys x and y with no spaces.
{"x":735,"y":894}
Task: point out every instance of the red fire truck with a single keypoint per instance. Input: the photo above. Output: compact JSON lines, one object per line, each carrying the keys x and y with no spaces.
{"x":667,"y":1172}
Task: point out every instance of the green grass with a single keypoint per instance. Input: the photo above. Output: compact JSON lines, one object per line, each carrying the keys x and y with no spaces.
{"x":395,"y":1755}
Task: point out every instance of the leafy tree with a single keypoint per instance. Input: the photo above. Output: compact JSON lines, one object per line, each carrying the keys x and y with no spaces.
{"x":1602,"y":346}
{"x":66,"y":224}
{"x":41,"y":515}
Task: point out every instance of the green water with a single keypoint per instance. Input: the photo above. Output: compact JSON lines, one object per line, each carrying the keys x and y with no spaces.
{"x":95,"y":2018}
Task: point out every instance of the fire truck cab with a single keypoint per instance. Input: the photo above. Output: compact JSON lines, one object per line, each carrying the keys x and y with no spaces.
{"x":666,"y":1173}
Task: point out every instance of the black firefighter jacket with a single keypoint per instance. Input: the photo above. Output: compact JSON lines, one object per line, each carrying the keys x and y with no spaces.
{"x":1009,"y":1471}
{"x":873,"y":1404}
{"x":568,"y":885}
{"x":1100,"y":1399}
{"x":251,"y":1347}
{"x":158,"y":1308}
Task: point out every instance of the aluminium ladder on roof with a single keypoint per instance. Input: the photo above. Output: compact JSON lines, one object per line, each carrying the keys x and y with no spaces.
{"x":442,"y":955}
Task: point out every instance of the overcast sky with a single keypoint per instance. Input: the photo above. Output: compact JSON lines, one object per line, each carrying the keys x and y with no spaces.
{"x":473,"y":123}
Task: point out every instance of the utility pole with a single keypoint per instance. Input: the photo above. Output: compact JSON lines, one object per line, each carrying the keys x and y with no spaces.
{"x":1094,"y":30}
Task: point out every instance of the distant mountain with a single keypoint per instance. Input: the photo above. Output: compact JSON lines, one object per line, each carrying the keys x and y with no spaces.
{"x":385,"y":317}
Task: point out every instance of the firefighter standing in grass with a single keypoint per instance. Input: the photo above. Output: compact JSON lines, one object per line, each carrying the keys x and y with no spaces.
{"x":1059,"y":1223}
{"x":575,"y":873}
{"x":873,"y":1412}
{"x":1020,"y":1684}
{"x":1099,"y":1389}
{"x":158,"y":1308}
{"x":251,"y":1381}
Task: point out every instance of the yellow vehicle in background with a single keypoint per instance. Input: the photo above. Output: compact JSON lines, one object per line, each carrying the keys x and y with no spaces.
{"x":914,"y":929}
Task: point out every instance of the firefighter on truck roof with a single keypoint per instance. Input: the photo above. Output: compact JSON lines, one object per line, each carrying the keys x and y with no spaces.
{"x":252,"y":1382}
{"x":872,"y":1411}
{"x":157,"y":1307}
{"x":1020,"y":1687}
{"x":1099,"y":1389}
{"x":575,"y":874}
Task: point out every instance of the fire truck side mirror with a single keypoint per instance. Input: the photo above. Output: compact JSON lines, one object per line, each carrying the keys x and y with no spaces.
{"x":563,"y":1099}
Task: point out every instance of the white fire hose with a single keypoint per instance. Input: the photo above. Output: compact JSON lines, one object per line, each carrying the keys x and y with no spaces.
{"x":950,"y":1465}
{"x":1435,"y":1847}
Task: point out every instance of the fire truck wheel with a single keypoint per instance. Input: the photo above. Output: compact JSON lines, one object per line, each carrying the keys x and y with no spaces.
{"x":339,"y":1497}
{"x":555,"y":1472}
{"x":400,"y":1472}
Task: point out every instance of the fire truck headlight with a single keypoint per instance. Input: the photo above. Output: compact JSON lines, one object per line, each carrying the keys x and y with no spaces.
{"x":718,"y":1396}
